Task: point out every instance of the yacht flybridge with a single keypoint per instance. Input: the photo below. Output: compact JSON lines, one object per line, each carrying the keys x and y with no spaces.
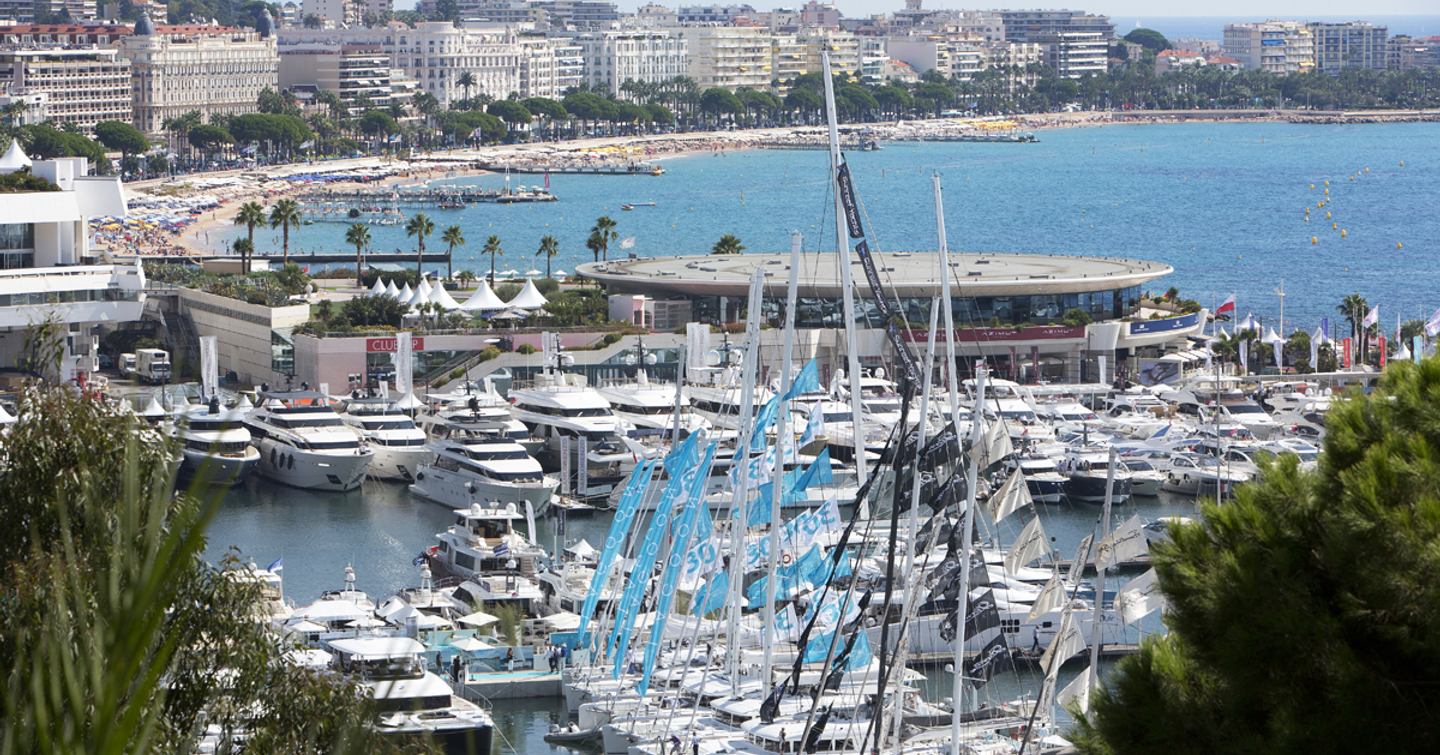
{"x":304,"y":443}
{"x":398,"y":444}
{"x":471,"y":466}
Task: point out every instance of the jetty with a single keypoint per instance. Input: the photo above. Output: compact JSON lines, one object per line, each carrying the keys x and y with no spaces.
{"x":421,"y":196}
{"x":576,"y":169}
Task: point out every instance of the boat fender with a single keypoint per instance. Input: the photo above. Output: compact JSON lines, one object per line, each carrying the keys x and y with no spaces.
{"x":419,"y":476}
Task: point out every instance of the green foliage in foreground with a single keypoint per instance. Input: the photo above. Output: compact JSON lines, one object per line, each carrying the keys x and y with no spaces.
{"x":272,"y":288}
{"x":115,"y":634}
{"x":1304,"y":616}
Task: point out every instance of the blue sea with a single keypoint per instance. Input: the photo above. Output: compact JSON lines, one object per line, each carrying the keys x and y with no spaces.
{"x":1224,"y":204}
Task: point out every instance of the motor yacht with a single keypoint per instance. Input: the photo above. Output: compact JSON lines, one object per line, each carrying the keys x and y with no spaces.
{"x":1088,"y":473}
{"x":561,"y":405}
{"x":304,"y":443}
{"x":496,"y":562}
{"x":469,"y":466}
{"x":1200,"y":475}
{"x":214,"y":444}
{"x":648,"y":408}
{"x":411,"y":700}
{"x":398,"y":444}
{"x":1042,"y":477}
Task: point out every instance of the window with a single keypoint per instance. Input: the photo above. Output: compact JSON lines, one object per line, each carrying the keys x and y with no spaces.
{"x":17,"y":236}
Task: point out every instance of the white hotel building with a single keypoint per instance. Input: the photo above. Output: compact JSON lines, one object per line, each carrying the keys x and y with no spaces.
{"x":645,"y":55}
{"x":48,"y":271}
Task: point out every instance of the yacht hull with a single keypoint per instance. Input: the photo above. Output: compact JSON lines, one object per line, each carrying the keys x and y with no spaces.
{"x":217,"y":469}
{"x":459,"y":491}
{"x":314,"y":471}
{"x":1091,"y":489}
{"x":399,"y":463}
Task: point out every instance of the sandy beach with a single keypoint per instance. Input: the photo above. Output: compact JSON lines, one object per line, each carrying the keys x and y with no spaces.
{"x":221,"y":194}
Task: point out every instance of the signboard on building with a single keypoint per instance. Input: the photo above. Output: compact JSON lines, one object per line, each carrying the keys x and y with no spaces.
{"x":387,"y":344}
{"x":1143,"y":327}
{"x":1032,"y":333}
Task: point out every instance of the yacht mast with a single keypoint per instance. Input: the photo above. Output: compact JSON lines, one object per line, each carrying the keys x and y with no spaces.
{"x":782,"y":437}
{"x":1102,"y":565}
{"x":950,"y":364}
{"x":847,"y":287}
{"x":742,"y":485}
{"x":967,"y":530}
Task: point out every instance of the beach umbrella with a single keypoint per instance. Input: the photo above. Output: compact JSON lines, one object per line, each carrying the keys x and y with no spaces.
{"x":477,"y":619}
{"x":379,"y":288}
{"x":560,"y":275}
{"x":528,"y":298}
{"x":511,"y":273}
{"x":483,"y":300}
{"x":469,"y":644}
{"x":532,"y":273}
{"x":444,"y":299}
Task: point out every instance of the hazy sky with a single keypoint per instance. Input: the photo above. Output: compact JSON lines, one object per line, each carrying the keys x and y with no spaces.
{"x":1127,"y":8}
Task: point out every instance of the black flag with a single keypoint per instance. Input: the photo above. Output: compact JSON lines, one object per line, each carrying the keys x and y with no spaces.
{"x":771,"y":706}
{"x":995,"y":656}
{"x":812,"y":736}
{"x":982,"y":614}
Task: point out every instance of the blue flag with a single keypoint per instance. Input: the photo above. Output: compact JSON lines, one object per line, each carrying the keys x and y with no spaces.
{"x":711,"y":595}
{"x":694,"y":493}
{"x":764,"y":420}
{"x":808,"y":381}
{"x":624,"y":513}
{"x":818,"y":473}
{"x":679,"y":459}
{"x":860,"y":654}
{"x":818,"y":647}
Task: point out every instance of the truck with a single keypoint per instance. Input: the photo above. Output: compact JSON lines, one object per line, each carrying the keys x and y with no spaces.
{"x":152,"y":365}
{"x":126,"y":365}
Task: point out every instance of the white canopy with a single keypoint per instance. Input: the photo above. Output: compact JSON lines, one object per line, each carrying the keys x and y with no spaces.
{"x":408,"y":401}
{"x":391,"y":291}
{"x":244,"y":404}
{"x":564,"y":621}
{"x":153,"y":409}
{"x":528,"y":298}
{"x":444,"y":299}
{"x":422,"y":620}
{"x":469,"y":644}
{"x":477,"y":619}
{"x":421,"y":295}
{"x":582,"y":549}
{"x":1272,"y":337}
{"x":377,"y":647}
{"x":303,"y":626}
{"x":406,"y":294}
{"x":379,"y":288}
{"x":483,"y":300}
{"x":14,"y":158}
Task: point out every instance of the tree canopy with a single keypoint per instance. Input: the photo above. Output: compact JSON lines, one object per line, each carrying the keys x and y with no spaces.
{"x":1304,"y":616}
{"x":121,"y":137}
{"x":1153,"y":41}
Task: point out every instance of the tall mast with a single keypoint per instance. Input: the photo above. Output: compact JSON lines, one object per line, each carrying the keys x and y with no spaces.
{"x":847,"y":286}
{"x":1101,"y":566}
{"x":782,"y":437}
{"x":742,"y":486}
{"x":967,"y":529}
{"x":944,"y":253}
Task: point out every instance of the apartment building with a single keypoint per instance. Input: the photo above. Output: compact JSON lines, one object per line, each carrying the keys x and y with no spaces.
{"x":1407,"y":53}
{"x":789,"y":57}
{"x":549,"y":66}
{"x":1077,"y":53}
{"x":1276,"y":46}
{"x":79,"y":86}
{"x":713,"y":14}
{"x":213,"y":69}
{"x":645,"y":55}
{"x":47,"y":270}
{"x":578,"y":15}
{"x":27,"y":11}
{"x":844,"y":49}
{"x":728,"y":56}
{"x":1350,"y":45}
{"x":1043,"y":25}
{"x":358,"y":74}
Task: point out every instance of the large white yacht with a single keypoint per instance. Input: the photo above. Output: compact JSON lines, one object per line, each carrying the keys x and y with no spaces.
{"x":470,"y":465}
{"x":398,"y":444}
{"x":304,"y":443}
{"x":648,"y":408}
{"x":496,"y":562}
{"x":214,"y":444}
{"x":410,"y":699}
{"x":563,"y":405}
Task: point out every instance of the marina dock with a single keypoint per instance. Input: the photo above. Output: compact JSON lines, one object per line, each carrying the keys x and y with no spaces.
{"x":510,"y":685}
{"x":626,"y":169}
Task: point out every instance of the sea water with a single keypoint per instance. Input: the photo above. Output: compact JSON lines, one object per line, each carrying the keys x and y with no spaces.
{"x":1223,"y":203}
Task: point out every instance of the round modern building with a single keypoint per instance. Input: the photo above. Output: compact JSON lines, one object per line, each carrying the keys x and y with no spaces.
{"x":1018,"y":310}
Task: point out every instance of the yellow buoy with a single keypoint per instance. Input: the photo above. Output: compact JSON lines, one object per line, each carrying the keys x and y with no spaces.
{"x":1312,"y":186}
{"x":1327,"y":183}
{"x":1327,"y":192}
{"x":1333,"y":226}
{"x":1314,"y":239}
{"x":1399,"y":245}
{"x":1327,"y":214}
{"x":1344,"y":233}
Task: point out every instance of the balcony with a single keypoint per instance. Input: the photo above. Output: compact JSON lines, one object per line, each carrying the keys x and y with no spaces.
{"x":72,"y":294}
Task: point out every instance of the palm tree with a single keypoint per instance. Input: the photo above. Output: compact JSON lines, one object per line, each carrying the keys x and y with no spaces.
{"x":549,"y":247}
{"x":420,"y":226}
{"x":453,"y":237}
{"x":250,"y":215}
{"x":603,"y":234}
{"x":728,"y":244}
{"x":244,"y":248}
{"x":492,"y":248}
{"x":358,"y":236}
{"x":284,"y":214}
{"x":466,"y":278}
{"x":1353,"y":308}
{"x":466,"y":81}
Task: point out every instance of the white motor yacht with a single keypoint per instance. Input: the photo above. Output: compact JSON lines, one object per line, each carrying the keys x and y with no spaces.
{"x":496,"y":562}
{"x":648,"y":408}
{"x":214,"y":444}
{"x":470,"y":466}
{"x":561,"y":405}
{"x":1199,"y":475}
{"x":304,"y":443}
{"x":398,"y":444}
{"x":411,"y":700}
{"x":1088,"y":471}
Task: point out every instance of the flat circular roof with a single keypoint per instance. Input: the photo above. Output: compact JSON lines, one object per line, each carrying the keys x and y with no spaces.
{"x":904,"y":274}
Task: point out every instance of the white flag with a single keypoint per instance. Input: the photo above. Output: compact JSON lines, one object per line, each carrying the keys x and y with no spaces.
{"x":813,"y":426}
{"x":1126,"y":543}
{"x":997,"y":444}
{"x":1031,"y":545}
{"x":1372,"y":317}
{"x":1140,"y":597}
{"x":1052,"y":596}
{"x":209,"y":367}
{"x":1076,"y":695}
{"x":628,"y":242}
{"x":1069,"y":642}
{"x":1012,"y":496}
{"x":1432,"y":326}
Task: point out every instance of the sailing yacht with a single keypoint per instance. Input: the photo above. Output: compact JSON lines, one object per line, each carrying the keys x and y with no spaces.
{"x":398,"y":444}
{"x":471,"y":465}
{"x":214,"y":444}
{"x":304,"y":443}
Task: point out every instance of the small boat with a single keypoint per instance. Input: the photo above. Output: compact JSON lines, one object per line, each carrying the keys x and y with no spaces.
{"x":632,"y":205}
{"x":571,"y":735}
